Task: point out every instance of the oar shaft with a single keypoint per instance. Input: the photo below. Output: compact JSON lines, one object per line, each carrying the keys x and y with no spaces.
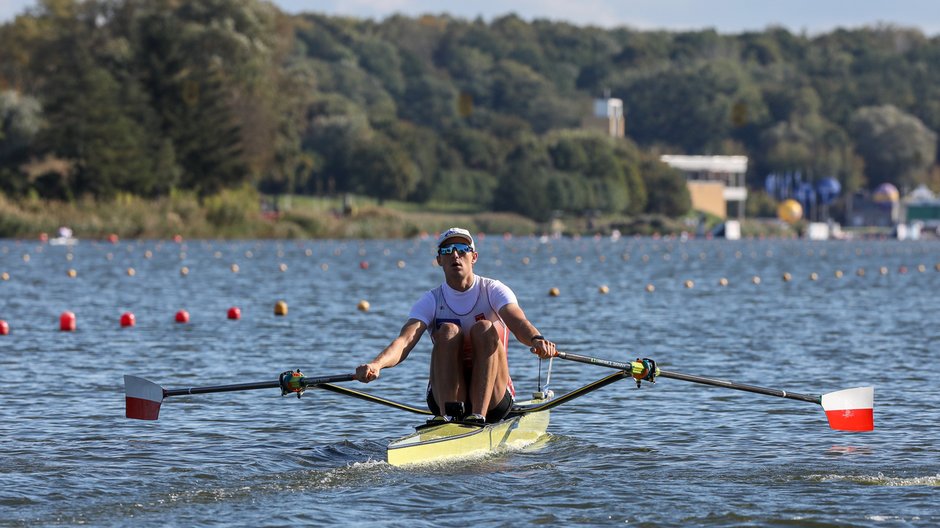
{"x":626,"y":366}
{"x":307,"y":382}
{"x":811,"y":398}
{"x":619,"y":365}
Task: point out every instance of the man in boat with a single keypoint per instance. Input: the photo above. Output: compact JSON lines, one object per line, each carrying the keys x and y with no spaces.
{"x":469,"y":319}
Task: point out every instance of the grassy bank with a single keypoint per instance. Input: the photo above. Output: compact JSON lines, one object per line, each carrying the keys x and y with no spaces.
{"x":239,"y":215}
{"x":242,"y":214}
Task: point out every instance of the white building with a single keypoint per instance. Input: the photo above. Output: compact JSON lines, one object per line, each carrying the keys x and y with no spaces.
{"x":716,"y":183}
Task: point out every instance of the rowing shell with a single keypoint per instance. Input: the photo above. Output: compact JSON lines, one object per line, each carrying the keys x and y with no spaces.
{"x":451,"y":441}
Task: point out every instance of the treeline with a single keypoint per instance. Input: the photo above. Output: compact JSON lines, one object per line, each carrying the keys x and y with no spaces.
{"x":150,"y":97}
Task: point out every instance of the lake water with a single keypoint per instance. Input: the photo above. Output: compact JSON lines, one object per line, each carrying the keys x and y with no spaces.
{"x":675,"y":453}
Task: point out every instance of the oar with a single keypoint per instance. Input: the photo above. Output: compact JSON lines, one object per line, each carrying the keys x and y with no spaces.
{"x":143,"y":397}
{"x":846,"y":410}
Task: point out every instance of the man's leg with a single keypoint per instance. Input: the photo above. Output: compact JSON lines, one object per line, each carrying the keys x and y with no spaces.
{"x":490,"y":373}
{"x":447,"y":379}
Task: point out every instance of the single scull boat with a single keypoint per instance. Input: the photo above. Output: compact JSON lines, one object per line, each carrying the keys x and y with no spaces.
{"x":526,"y":423}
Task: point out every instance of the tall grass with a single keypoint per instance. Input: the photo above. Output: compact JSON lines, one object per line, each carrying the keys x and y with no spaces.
{"x":238,"y":214}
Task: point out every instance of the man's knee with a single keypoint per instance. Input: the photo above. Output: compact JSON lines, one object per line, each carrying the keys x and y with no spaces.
{"x":485,"y":332}
{"x":448,"y":332}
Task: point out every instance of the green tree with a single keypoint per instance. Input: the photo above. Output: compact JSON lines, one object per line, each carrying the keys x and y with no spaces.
{"x":522,"y":182}
{"x":96,"y":112}
{"x":380,"y":168}
{"x":20,"y":121}
{"x":896,"y":146}
{"x":666,"y":189}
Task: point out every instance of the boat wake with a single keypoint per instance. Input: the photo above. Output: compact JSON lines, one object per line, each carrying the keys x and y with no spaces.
{"x":880,"y":480}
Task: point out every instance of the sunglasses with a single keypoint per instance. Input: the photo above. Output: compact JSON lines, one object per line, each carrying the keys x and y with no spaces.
{"x":460,"y":248}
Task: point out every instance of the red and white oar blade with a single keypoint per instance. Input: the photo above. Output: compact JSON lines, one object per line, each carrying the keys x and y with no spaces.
{"x":142,"y":398}
{"x":850,"y":409}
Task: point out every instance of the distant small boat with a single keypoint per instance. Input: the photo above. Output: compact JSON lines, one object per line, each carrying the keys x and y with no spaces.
{"x":63,"y":241}
{"x":65,"y":238}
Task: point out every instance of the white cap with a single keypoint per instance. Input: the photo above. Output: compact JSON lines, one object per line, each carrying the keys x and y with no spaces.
{"x":458,"y":233}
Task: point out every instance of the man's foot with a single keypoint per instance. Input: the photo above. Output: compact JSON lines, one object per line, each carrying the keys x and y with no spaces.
{"x":474,"y":419}
{"x":439,"y":420}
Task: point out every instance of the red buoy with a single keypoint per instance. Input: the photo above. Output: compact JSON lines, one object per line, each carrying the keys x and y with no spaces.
{"x":128,"y":319}
{"x":43,"y":237}
{"x":178,"y":239}
{"x":4,"y":328}
{"x":234,"y":313}
{"x":113,"y":238}
{"x":364,"y":265}
{"x":67,"y":322}
{"x":182,"y":316}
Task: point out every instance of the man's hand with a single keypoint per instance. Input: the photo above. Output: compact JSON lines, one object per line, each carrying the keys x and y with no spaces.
{"x":544,"y":348}
{"x":368,"y":372}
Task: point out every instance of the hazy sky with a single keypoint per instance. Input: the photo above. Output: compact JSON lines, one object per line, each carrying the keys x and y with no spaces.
{"x":727,"y":16}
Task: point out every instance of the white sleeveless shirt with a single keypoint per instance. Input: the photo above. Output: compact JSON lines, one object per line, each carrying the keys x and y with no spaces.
{"x":443,"y":304}
{"x":482,"y":300}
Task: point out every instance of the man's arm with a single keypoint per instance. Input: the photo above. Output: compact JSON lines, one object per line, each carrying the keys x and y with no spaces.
{"x":526,"y":332}
{"x":396,"y":352}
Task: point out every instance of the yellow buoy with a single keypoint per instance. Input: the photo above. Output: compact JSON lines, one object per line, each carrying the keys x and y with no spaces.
{"x":324,"y":266}
{"x":921,"y":268}
{"x":650,"y":288}
{"x":722,"y":281}
{"x":554,"y":292}
{"x":280,"y":308}
{"x":282,"y":267}
{"x":813,"y":276}
{"x":131,"y":272}
{"x":72,"y":273}
{"x":689,"y":284}
{"x":26,"y":259}
{"x":400,"y":264}
{"x":790,"y":211}
{"x":860,"y":272}
{"x":363,"y":306}
{"x":839,"y":274}
{"x":5,"y":276}
{"x":883,"y":270}
{"x":308,"y":252}
{"x":603,"y":289}
{"x":755,"y":279}
{"x":234,"y":268}
{"x":787,"y":276}
{"x":184,"y":271}
{"x":525,"y":261}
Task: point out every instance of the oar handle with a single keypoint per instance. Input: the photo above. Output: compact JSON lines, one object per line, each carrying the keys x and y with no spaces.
{"x":306,"y":381}
{"x":634,"y":365}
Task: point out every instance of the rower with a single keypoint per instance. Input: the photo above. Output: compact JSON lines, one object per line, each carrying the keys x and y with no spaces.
{"x":469,"y":319}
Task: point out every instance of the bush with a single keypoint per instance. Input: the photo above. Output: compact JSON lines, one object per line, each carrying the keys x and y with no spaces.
{"x":233,"y":210}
